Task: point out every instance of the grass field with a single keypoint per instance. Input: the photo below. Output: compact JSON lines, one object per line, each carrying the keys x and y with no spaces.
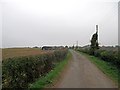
{"x":16,"y":52}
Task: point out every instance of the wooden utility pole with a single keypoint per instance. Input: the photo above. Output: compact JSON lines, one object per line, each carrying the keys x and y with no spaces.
{"x":97,"y":33}
{"x":76,"y":44}
{"x":96,"y":28}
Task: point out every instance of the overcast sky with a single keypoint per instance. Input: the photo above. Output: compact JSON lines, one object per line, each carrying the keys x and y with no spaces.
{"x":57,"y":22}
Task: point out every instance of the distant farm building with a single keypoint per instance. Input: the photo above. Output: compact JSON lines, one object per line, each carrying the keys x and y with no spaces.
{"x":52,"y":47}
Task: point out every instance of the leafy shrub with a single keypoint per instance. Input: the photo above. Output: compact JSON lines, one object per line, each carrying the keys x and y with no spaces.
{"x":97,"y":53}
{"x":20,"y":71}
{"x":109,"y":56}
{"x":105,"y":56}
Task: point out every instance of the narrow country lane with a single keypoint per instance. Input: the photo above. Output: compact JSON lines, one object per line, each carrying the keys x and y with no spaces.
{"x":81,"y":73}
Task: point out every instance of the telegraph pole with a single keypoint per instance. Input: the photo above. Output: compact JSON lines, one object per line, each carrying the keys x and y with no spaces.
{"x":76,"y":44}
{"x":96,"y":28}
{"x":97,"y":33}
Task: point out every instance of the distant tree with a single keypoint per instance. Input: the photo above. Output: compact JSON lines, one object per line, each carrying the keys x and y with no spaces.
{"x":70,"y":47}
{"x":73,"y":47}
{"x":94,"y":43}
{"x":35,"y":47}
{"x":66,"y":46}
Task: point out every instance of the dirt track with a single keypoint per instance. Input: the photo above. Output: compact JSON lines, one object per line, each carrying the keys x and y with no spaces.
{"x":81,"y":73}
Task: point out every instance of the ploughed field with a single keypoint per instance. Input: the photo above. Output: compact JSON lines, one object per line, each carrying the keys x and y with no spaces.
{"x":17,"y":52}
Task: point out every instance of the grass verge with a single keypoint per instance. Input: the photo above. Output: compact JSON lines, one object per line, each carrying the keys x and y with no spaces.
{"x":110,"y":70}
{"x":51,"y":76}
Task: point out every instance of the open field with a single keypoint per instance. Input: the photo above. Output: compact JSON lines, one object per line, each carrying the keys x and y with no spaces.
{"x":16,"y":52}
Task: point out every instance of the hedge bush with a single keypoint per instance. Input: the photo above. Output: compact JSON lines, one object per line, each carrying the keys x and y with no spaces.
{"x":109,"y":56}
{"x":18,"y":72}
